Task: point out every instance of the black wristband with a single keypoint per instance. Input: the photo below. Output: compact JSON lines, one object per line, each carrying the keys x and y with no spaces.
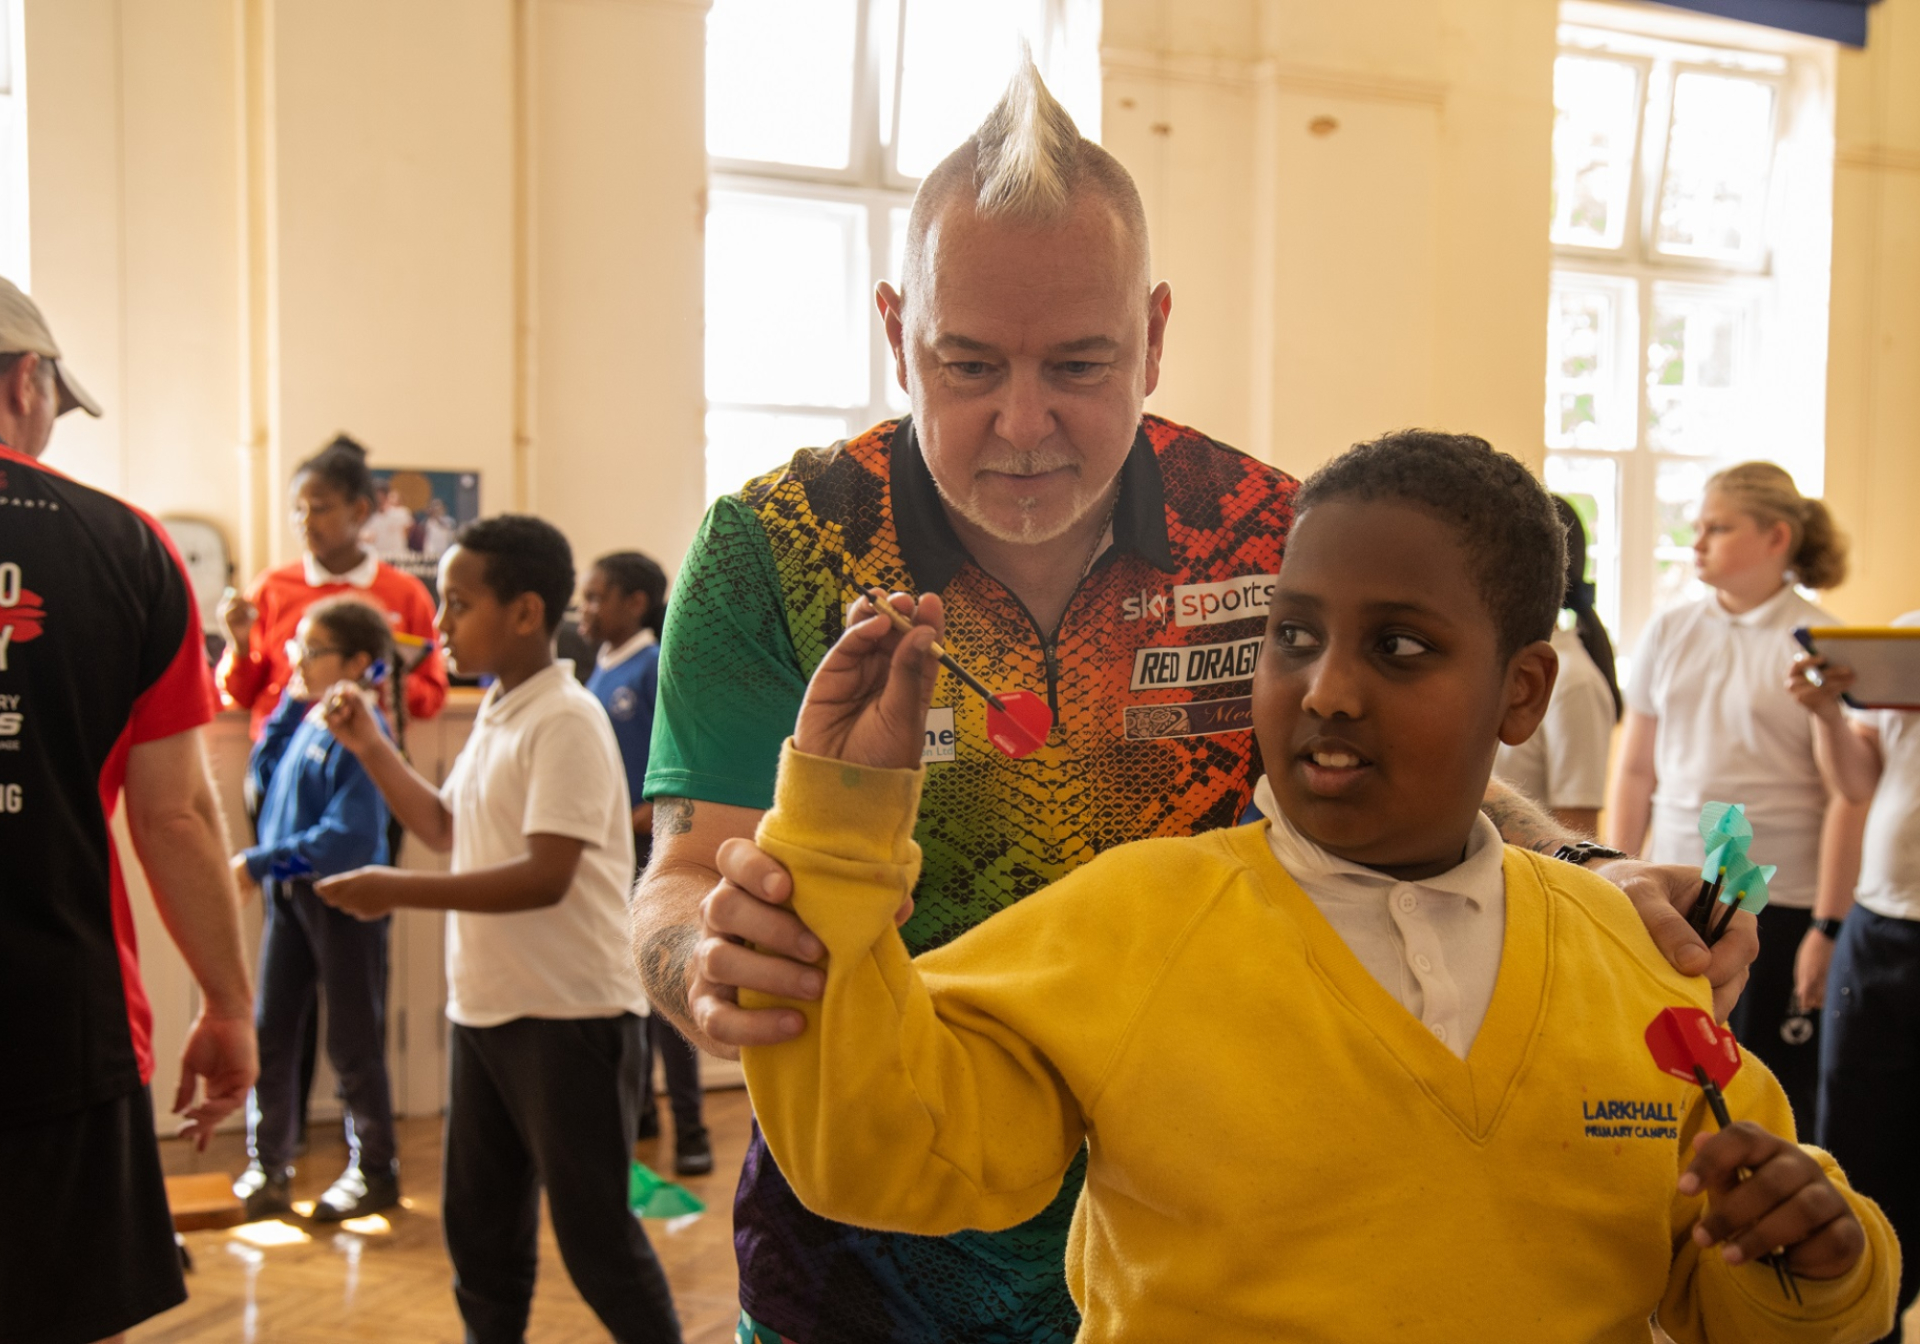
{"x":1830,"y":927}
{"x":1583,"y":852}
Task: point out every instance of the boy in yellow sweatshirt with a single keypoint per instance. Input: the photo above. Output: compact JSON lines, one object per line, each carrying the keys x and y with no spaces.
{"x":1358,"y":1072}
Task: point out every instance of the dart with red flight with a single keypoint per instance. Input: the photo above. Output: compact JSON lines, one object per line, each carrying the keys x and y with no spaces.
{"x":1690,"y":1045}
{"x":1017,"y":721}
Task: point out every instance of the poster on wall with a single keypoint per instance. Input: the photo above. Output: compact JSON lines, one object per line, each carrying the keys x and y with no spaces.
{"x":416,"y":514}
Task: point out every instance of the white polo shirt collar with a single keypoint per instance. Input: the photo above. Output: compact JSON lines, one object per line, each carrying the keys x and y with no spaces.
{"x":610,"y":657}
{"x":503,"y":706}
{"x":360,"y":576}
{"x":1771,"y":612}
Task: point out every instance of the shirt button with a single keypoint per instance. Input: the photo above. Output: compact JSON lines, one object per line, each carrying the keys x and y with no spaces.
{"x":1422,"y":963}
{"x":1439,"y":1032}
{"x":1408,"y":901}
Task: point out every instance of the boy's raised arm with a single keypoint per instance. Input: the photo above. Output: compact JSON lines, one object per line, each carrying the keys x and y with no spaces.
{"x":414,"y":801}
{"x":887,"y":1111}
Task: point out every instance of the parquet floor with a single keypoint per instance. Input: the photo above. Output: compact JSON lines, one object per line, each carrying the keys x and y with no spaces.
{"x":395,"y":1287}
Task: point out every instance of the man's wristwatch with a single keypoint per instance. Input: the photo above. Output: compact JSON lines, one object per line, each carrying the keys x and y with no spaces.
{"x":1584,"y":852}
{"x":1830,"y":927}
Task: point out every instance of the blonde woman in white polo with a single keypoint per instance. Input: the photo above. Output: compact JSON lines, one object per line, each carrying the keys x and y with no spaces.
{"x":1709,"y":718}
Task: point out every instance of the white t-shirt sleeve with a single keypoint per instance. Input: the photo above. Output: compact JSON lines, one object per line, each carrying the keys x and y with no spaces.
{"x":570,"y":781}
{"x":1639,"y":688}
{"x":1578,"y":733}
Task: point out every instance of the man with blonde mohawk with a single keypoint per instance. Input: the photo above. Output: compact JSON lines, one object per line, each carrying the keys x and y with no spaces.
{"x":1116,"y":562}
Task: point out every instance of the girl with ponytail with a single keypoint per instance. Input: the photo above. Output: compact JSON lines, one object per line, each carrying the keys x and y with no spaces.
{"x":1709,"y":719}
{"x":1563,"y":765}
{"x":331,"y":499}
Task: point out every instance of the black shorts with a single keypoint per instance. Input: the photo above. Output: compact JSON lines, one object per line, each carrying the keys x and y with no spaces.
{"x":89,"y":1247}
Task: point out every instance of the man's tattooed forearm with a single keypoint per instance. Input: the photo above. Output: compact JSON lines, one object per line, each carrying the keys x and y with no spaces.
{"x":663,"y":957}
{"x":1521,"y":821}
{"x":672,"y":816}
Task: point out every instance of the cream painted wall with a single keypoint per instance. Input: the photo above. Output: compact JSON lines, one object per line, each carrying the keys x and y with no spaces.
{"x":462,"y":230}
{"x":1348,"y":200}
{"x":467,"y":231}
{"x":393,"y":164}
{"x":619,"y":390}
{"x":1873,"y":400}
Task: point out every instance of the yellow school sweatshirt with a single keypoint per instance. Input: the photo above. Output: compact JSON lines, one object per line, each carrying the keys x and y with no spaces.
{"x":1277,"y":1149}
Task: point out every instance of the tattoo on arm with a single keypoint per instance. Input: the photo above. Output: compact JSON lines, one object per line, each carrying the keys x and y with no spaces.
{"x":672,"y":816}
{"x":1522,"y":821}
{"x":663,"y":959}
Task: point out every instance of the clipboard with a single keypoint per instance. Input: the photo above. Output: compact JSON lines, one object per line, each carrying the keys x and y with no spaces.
{"x":1885,"y":660}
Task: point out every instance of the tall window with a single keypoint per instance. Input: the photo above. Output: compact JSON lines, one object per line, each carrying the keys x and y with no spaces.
{"x":822,"y":116}
{"x":1668,"y":354}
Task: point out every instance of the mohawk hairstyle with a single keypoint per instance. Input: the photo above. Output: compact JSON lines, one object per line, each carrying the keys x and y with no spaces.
{"x":1025,"y":163}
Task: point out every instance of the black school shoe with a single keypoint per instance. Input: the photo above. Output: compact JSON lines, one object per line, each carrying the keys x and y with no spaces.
{"x":692,"y":1154}
{"x":357,"y":1194}
{"x":265,"y":1196}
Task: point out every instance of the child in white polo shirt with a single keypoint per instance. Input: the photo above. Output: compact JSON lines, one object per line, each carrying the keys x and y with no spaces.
{"x":546,"y":1046}
{"x":1709,"y":718}
{"x":1870,"y":1053}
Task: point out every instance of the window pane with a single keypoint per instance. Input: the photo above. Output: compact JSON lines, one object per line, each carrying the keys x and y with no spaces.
{"x":745,"y":444}
{"x":1695,"y":368}
{"x":956,"y":59}
{"x":1590,"y":337}
{"x":780,"y":80}
{"x":1677,"y":490}
{"x":1596,"y":110}
{"x":786,"y":301}
{"x":1592,"y":486}
{"x":1713,"y":198}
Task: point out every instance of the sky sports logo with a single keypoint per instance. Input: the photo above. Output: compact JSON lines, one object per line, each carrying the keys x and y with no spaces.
{"x":1237,"y":599}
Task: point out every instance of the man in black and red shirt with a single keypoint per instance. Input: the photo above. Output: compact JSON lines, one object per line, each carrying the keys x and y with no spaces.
{"x":103,"y":688}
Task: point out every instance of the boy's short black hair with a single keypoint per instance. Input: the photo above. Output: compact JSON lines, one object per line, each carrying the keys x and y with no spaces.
{"x":524,"y":554}
{"x":1514,"y":539}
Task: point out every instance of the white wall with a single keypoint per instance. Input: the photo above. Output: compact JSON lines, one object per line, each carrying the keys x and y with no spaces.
{"x":1349,"y":202}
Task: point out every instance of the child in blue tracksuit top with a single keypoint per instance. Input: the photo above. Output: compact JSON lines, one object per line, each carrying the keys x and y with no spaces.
{"x":319,"y":815}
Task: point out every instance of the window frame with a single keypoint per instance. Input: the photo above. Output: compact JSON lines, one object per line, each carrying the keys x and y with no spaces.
{"x":1629,"y":596}
{"x":869,"y":180}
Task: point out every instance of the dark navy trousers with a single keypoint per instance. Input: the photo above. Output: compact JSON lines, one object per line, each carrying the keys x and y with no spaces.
{"x":543,"y":1102}
{"x":307,"y":943}
{"x":1870,"y":1073}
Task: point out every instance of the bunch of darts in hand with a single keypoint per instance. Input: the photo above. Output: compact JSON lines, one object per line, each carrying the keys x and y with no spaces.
{"x":1729,"y":879}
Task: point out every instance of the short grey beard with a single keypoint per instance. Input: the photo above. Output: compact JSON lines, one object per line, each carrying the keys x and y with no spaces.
{"x":1029,"y":532}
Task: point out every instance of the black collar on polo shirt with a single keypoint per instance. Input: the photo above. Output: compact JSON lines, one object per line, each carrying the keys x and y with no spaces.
{"x":933,"y":552}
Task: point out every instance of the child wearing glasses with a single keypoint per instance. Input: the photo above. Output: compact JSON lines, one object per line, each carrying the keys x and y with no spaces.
{"x":320,"y":814}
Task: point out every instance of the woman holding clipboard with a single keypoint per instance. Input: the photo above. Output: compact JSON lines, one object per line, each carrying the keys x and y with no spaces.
{"x":1870,"y":1050}
{"x":1709,"y":719}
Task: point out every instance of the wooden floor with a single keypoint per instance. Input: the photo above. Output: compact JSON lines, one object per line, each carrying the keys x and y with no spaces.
{"x":396,"y":1285}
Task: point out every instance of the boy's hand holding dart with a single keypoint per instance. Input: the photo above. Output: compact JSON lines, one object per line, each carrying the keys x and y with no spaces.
{"x":867,"y":703}
{"x":1787,"y":1202}
{"x":1767,"y":1198}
